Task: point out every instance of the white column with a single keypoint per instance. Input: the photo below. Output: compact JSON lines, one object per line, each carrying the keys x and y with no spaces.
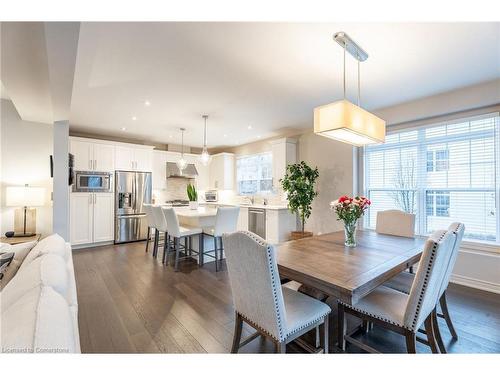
{"x":61,"y":190}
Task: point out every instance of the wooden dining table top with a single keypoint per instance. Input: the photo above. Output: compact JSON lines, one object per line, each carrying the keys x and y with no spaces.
{"x":325,"y":263}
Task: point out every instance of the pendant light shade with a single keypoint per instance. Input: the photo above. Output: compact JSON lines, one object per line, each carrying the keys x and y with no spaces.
{"x":343,"y":120}
{"x":205,"y":156}
{"x":182,"y":163}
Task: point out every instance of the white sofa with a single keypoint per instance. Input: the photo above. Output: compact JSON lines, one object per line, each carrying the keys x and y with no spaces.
{"x":38,"y":306}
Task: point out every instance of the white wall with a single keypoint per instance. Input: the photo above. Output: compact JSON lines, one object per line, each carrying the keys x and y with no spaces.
{"x":24,"y":156}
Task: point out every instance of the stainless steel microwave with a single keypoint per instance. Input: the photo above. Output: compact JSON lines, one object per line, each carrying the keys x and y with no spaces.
{"x":95,"y":182}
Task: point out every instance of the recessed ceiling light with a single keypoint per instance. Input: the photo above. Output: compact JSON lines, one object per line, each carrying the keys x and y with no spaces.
{"x":147,"y":103}
{"x":170,"y":136}
{"x":258,"y":136}
{"x":225,"y":135}
{"x":249,"y":127}
{"x":134,"y":118}
{"x":124,"y":129}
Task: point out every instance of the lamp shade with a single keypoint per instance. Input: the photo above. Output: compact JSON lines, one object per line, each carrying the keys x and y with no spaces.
{"x":346,"y":122}
{"x":24,"y":196}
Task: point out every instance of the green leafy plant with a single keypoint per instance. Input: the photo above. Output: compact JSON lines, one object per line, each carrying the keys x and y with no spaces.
{"x":298,"y":183}
{"x":192,"y":193}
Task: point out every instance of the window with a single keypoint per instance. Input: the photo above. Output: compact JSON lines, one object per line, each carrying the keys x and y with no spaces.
{"x":442,"y":173}
{"x":254,"y":174}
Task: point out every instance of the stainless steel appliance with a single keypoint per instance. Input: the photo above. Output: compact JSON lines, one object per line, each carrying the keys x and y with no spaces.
{"x":257,"y":221}
{"x":132,"y":191}
{"x":174,"y":171}
{"x":211,"y":196}
{"x":94,"y":182}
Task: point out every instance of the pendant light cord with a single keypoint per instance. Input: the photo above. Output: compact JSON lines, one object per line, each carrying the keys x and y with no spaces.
{"x":345,"y":47}
{"x":182,"y":144}
{"x":205,"y":132}
{"x":359,"y":85}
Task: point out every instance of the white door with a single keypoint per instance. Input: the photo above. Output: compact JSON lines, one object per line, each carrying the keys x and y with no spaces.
{"x":124,"y":158}
{"x":82,"y":151}
{"x":81,"y":218}
{"x":143,"y":160}
{"x":104,"y":157}
{"x":104,"y":217}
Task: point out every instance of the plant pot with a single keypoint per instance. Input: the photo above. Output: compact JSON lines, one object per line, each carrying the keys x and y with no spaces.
{"x":297,"y":235}
{"x":193,"y":205}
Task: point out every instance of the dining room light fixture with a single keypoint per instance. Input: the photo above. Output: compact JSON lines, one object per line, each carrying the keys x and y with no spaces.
{"x":182,"y":163}
{"x":205,"y":156}
{"x":343,"y":120}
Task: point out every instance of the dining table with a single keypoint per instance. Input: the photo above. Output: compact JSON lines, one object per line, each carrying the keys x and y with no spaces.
{"x":347,"y":273}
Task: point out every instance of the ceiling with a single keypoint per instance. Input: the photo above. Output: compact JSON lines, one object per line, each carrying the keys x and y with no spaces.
{"x":258,"y":80}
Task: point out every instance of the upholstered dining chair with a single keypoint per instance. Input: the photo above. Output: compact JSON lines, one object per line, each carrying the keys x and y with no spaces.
{"x":161,"y":227}
{"x":150,"y":221}
{"x":177,"y":233}
{"x":395,"y":223}
{"x":226,"y":221}
{"x":278,"y":313}
{"x":406,"y":313}
{"x":404,"y":280}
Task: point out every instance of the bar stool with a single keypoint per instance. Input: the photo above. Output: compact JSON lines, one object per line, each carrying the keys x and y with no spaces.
{"x":176,"y":232}
{"x":160,"y":226}
{"x":226,"y":221}
{"x":151,"y":222}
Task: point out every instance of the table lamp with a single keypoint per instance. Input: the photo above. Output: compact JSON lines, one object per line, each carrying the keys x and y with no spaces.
{"x":26,"y":197}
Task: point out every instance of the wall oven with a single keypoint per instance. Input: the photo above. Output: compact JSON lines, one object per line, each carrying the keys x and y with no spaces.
{"x":95,"y":182}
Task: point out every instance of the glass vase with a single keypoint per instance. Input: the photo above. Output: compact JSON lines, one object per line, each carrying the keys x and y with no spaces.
{"x":350,"y":234}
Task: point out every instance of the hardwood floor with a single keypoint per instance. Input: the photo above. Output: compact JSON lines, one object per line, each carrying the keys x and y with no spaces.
{"x":131,"y":303}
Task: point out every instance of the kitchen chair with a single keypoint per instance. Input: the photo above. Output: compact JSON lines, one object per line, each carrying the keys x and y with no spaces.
{"x":150,"y":221}
{"x":405,"y":313}
{"x":395,"y":223}
{"x":160,"y":226}
{"x":404,"y":281}
{"x":226,"y":221}
{"x":176,"y":233}
{"x":281,"y":314}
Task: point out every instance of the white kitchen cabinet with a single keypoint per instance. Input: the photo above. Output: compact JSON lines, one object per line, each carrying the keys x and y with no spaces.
{"x":159,"y":170}
{"x":222,"y":171}
{"x":130,"y":158}
{"x":243,"y":219}
{"x":92,"y":156}
{"x":91,"y":218}
{"x":279,"y":225}
{"x":103,"y":228}
{"x":284,"y":153}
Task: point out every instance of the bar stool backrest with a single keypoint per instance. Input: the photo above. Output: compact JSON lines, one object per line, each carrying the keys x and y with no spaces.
{"x":226,"y":220}
{"x":172,"y":221}
{"x":160,"y":222}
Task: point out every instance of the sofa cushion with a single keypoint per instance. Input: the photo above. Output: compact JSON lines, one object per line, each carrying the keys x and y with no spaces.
{"x":20,"y":252}
{"x":53,"y":244}
{"x":38,"y":322}
{"x":47,"y":270}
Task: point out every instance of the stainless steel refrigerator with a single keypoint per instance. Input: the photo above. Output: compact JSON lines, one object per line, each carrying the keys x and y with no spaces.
{"x":132,"y":191}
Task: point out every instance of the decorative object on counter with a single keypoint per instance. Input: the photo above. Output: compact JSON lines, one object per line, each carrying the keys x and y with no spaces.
{"x":205,"y":156}
{"x":298,"y":184}
{"x":182,"y":163}
{"x":192,"y":196}
{"x":349,"y":210}
{"x":26,"y":197}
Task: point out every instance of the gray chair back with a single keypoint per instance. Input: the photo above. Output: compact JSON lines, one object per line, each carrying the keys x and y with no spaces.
{"x":458,"y":230}
{"x":426,"y":287}
{"x":396,"y":223}
{"x":172,"y":221}
{"x":160,"y":222}
{"x":226,"y":220}
{"x":255,"y":282}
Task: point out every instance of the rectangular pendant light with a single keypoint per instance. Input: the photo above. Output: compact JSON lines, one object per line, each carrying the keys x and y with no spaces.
{"x":346,"y":122}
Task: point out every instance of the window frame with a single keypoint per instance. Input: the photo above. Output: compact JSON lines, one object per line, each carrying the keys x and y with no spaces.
{"x":260,"y":192}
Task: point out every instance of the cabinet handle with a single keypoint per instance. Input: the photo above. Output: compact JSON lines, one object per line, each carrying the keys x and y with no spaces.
{"x":90,"y":165}
{"x":95,"y":198}
{"x":95,"y":164}
{"x":90,"y":199}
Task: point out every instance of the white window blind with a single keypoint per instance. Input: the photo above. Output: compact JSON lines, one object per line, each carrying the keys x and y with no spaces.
{"x":442,"y":173}
{"x":254,"y":174}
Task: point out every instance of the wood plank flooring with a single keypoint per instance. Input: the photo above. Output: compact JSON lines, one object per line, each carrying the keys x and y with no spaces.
{"x":131,"y":303}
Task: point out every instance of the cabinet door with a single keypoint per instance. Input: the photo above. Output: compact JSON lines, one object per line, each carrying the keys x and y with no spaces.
{"x":143,"y":159}
{"x":216,"y":172}
{"x":104,"y":157}
{"x":124,"y":158}
{"x":159,"y":170}
{"x":243,"y":219}
{"x":228,"y":176}
{"x":82,"y":151}
{"x":202,"y":180}
{"x":104,"y":215}
{"x":81,"y":218}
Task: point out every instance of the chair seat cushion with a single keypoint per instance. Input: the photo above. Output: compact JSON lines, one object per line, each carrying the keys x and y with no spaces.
{"x":401,"y":282}
{"x":385,"y":304}
{"x":302,"y":311}
{"x":189,"y":231}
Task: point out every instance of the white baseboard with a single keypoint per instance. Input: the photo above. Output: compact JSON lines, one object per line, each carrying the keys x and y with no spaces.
{"x":475,"y":283}
{"x":89,"y":245}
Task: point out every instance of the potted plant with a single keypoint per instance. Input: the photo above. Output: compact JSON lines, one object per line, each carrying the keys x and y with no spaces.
{"x":298,"y":183}
{"x":349,"y":210}
{"x":192,"y":196}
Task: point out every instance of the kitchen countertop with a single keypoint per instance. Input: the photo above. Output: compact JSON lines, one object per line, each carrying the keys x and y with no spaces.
{"x":200,"y":212}
{"x":263,"y":206}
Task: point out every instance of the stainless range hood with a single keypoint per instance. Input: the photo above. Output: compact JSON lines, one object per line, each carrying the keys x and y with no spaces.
{"x":174,"y":171}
